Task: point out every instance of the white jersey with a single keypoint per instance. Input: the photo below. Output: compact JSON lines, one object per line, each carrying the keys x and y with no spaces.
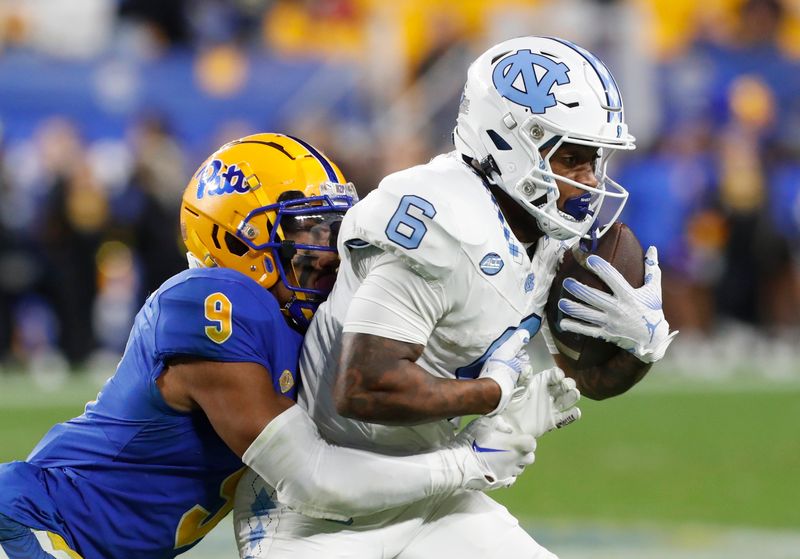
{"x":469,"y":283}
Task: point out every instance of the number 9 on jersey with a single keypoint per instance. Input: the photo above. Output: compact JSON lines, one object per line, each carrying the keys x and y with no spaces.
{"x":218,"y":311}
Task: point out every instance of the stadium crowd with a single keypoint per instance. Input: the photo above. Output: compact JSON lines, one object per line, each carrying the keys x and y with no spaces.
{"x":107,"y":106}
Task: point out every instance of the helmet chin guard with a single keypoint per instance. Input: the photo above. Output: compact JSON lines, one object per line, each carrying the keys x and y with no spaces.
{"x":532,"y":94}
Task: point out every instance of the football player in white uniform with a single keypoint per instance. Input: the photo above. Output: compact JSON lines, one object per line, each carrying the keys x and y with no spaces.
{"x":442,"y":264}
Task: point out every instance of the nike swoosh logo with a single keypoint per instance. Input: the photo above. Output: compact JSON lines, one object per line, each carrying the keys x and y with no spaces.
{"x":478,"y":448}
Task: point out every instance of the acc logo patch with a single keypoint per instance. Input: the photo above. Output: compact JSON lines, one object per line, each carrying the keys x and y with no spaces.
{"x":491,"y":264}
{"x":526,"y":78}
{"x":212,"y":182}
{"x":286,"y":382}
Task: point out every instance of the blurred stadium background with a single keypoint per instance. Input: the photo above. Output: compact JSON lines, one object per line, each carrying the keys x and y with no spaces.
{"x":107,"y":107}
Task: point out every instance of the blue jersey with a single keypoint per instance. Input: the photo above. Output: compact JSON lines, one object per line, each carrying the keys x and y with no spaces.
{"x":131,"y":477}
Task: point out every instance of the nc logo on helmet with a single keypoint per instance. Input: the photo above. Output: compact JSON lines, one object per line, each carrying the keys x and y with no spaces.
{"x":515,"y":78}
{"x":213,"y":183}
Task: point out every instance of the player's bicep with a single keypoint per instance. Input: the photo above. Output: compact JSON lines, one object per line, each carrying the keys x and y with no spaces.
{"x":378,"y":379}
{"x":373,"y":363}
{"x":238,"y":398}
{"x":386,"y":327}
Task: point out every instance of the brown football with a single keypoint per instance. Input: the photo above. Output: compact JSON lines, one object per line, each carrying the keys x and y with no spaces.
{"x":620,"y":247}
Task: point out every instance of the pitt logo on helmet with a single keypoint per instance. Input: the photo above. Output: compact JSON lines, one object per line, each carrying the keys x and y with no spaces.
{"x":236,"y":177}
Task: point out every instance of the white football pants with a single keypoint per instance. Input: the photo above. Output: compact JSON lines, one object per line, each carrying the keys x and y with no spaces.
{"x":467,"y":525}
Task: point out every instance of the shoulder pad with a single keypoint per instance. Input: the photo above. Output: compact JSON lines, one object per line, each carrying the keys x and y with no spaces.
{"x":216,"y":314}
{"x":425,"y":215}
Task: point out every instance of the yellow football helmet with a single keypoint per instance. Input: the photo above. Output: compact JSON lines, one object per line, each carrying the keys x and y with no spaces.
{"x":269,"y":206}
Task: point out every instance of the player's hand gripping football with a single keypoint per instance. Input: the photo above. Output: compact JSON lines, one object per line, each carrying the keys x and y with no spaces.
{"x":630,"y":318}
{"x":542,"y":402}
{"x":505,"y":365}
{"x":491,"y":454}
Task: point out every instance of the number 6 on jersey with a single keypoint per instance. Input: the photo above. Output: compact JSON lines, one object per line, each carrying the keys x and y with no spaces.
{"x":405,"y":229}
{"x":218,"y":310}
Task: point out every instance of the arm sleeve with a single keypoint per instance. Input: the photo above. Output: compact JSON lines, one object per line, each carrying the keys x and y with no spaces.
{"x":395,"y":302}
{"x":322,"y":480}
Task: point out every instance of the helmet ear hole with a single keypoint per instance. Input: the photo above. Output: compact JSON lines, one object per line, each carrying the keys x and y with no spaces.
{"x":498,"y":141}
{"x":215,"y":235}
{"x":235,"y":245}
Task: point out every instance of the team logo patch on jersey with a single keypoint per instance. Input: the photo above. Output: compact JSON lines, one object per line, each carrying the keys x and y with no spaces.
{"x":529,"y":283}
{"x":286,"y":382}
{"x":491,"y":264}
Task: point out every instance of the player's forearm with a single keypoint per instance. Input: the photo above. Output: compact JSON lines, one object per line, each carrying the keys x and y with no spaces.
{"x":322,"y":480}
{"x":617,"y":376}
{"x":423,"y":399}
{"x":379,"y":382}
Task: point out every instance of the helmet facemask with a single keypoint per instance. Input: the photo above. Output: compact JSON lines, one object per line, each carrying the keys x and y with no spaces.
{"x":587,"y":216}
{"x":302,"y":247}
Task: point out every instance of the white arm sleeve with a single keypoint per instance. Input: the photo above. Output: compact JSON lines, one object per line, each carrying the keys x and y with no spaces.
{"x":395,"y":302}
{"x":322,"y":480}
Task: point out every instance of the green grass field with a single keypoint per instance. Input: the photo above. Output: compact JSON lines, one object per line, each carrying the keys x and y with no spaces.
{"x":666,"y":454}
{"x":727,"y":458}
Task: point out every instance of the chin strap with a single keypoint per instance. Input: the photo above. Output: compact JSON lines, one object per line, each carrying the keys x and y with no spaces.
{"x":195,"y":262}
{"x":294,"y":312}
{"x":489,"y":166}
{"x":483,"y":169}
{"x":587,"y":245}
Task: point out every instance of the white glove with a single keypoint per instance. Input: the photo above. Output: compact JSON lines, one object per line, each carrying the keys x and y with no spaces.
{"x":505,"y":364}
{"x":492,"y":454}
{"x":543,"y":402}
{"x":630,"y":318}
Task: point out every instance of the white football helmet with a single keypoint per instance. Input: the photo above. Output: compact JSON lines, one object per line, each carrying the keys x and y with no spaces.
{"x":530,"y":93}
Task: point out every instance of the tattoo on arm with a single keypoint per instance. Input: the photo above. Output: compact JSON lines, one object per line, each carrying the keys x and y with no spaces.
{"x":617,"y":376}
{"x":379,"y":381}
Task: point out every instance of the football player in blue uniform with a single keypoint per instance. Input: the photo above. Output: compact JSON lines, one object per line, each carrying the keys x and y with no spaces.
{"x":207,"y":383}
